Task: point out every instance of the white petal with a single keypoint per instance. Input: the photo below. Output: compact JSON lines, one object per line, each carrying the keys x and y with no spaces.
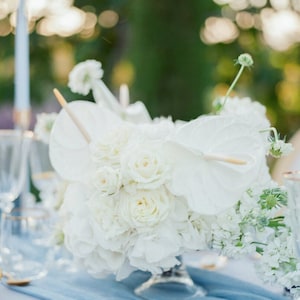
{"x":211,"y":186}
{"x":69,"y":151}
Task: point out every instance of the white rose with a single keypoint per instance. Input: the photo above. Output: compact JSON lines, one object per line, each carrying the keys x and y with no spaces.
{"x":107,"y":180}
{"x":144,"y":166}
{"x":145,"y":209}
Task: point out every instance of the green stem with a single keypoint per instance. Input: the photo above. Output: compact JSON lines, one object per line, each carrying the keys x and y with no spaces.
{"x":272,"y":129}
{"x":238,"y":75}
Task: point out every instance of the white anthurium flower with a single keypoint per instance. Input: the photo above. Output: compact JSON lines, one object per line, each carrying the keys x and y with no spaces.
{"x":136,"y":113}
{"x":69,"y":150}
{"x":209,"y":184}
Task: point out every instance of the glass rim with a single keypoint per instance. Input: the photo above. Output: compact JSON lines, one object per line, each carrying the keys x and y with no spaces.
{"x":292,"y":175}
{"x":10,"y":216}
{"x":16,"y":132}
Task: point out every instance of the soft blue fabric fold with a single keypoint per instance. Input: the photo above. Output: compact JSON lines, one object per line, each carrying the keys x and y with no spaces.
{"x":80,"y":286}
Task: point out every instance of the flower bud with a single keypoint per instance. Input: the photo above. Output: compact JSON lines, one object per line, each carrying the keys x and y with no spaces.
{"x":245,"y":60}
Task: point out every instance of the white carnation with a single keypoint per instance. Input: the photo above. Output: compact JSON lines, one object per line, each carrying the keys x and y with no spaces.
{"x":83,"y":76}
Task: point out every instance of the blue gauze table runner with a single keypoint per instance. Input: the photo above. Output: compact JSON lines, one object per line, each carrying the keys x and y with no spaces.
{"x":80,"y":286}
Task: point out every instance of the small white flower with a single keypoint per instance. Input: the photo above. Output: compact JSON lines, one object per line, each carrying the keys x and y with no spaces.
{"x":43,"y":126}
{"x":83,"y":76}
{"x":280,"y":148}
{"x":245,"y":60}
{"x":107,"y":180}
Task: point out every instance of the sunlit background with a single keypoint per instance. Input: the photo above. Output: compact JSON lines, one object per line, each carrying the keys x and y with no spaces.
{"x":175,"y":58}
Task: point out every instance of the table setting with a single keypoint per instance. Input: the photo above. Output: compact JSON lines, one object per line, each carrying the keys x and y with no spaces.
{"x":128,"y":204}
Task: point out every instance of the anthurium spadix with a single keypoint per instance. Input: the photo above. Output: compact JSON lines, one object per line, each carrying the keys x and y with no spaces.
{"x":216,"y":160}
{"x":69,"y":151}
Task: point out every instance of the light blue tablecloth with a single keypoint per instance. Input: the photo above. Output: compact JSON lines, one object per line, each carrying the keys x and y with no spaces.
{"x":79,"y":286}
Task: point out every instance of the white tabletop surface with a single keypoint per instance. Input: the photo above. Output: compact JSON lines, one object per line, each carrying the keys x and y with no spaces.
{"x":242,"y":269}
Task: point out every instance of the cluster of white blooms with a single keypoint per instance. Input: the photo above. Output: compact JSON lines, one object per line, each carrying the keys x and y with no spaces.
{"x":143,"y":192}
{"x":279,"y":262}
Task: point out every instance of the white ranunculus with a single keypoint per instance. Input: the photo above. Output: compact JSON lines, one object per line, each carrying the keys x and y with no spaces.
{"x":211,"y":185}
{"x":83,"y":76}
{"x":145,"y":208}
{"x":107,"y":151}
{"x":144,"y":166}
{"x":107,"y":180}
{"x":43,"y":126}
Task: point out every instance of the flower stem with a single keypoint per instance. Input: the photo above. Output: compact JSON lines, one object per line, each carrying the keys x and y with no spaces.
{"x":272,"y":129}
{"x":238,"y":75}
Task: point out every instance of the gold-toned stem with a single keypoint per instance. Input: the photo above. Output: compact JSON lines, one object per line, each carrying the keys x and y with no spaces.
{"x":62,"y":101}
{"x":22,"y":118}
{"x":230,"y":160}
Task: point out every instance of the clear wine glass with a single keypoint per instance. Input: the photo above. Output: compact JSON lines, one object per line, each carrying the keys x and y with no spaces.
{"x":14,"y":151}
{"x":50,"y":187}
{"x":43,"y":175}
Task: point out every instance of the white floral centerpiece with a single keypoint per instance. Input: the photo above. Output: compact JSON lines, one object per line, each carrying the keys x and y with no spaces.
{"x":142,"y":192}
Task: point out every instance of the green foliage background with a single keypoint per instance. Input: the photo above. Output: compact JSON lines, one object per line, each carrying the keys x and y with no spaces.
{"x":157,"y":44}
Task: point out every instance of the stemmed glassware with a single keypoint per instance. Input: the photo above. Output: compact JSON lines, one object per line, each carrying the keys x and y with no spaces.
{"x":14,"y":151}
{"x":50,"y":187}
{"x":43,"y":175}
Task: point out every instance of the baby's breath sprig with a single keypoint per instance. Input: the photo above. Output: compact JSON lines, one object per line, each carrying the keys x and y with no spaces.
{"x":277,"y":147}
{"x":245,"y":60}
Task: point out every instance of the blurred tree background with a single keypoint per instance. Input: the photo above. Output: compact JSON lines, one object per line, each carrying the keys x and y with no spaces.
{"x":176,"y":57}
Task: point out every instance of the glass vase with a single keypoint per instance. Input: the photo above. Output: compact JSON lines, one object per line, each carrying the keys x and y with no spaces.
{"x":173,"y":284}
